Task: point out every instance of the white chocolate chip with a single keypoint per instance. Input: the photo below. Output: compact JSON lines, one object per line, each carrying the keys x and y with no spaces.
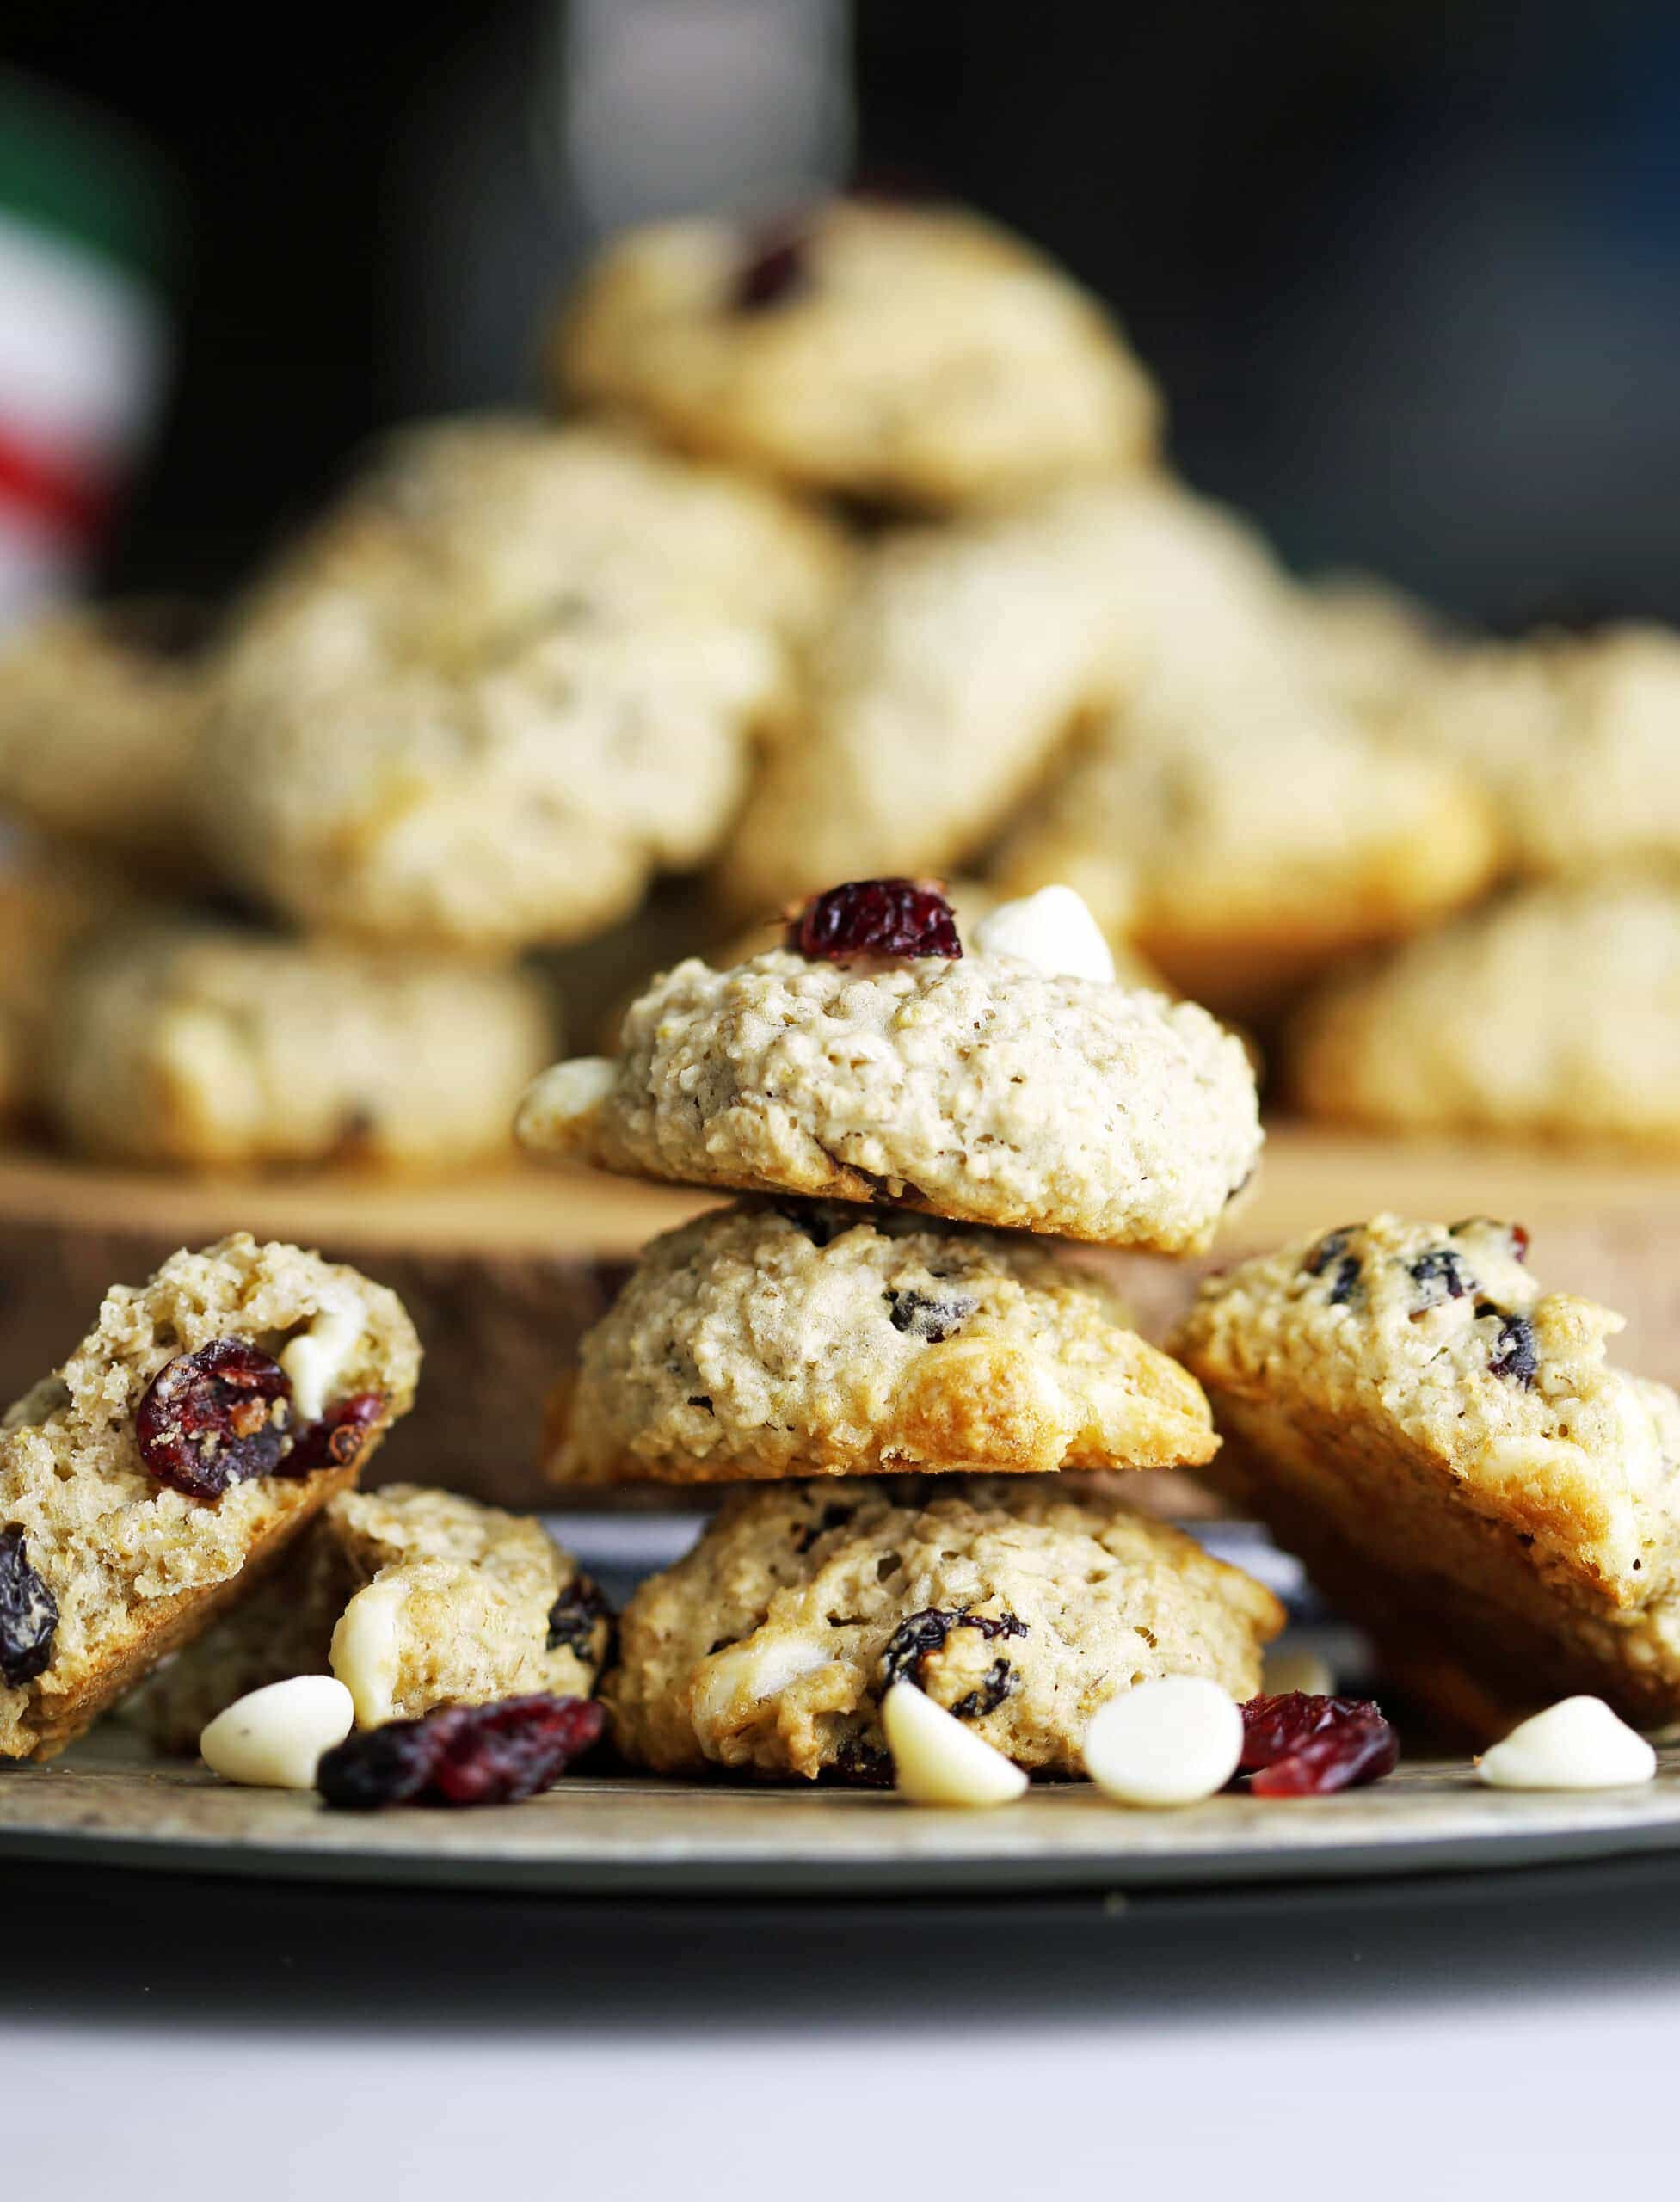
{"x":937,"y":1761}
{"x":1053,"y":930}
{"x":273,"y":1738}
{"x":564,"y":1097}
{"x":1293,"y":1669}
{"x":1171,"y":1742}
{"x":1578,"y":1744}
{"x":366,"y":1650}
{"x":754,"y":1672}
{"x":317,"y":1358}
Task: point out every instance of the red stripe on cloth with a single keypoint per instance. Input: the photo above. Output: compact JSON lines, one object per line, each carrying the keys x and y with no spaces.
{"x":65,"y":488}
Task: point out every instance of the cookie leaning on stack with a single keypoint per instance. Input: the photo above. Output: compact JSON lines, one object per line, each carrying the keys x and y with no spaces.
{"x":1450,"y":1451}
{"x":868,"y":1068}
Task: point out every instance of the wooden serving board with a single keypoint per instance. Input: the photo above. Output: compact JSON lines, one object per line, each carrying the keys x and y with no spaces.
{"x":503,"y":1269}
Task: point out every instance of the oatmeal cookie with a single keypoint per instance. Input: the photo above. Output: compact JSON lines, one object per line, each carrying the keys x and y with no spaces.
{"x":1451,"y":1452}
{"x":800,"y":1339}
{"x":1553,"y":1013}
{"x":100,"y":712}
{"x":1573,"y":738}
{"x":206,"y":1046}
{"x":1372,"y":646}
{"x":50,"y":905}
{"x":977,"y":1089}
{"x":490,"y":697}
{"x":912,"y":355}
{"x":1251,"y":830}
{"x":955,"y":668}
{"x":203,"y":1421}
{"x":1021,"y":1606}
{"x":485,"y":1605}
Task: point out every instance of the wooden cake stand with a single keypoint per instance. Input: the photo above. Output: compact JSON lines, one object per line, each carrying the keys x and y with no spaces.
{"x":503,"y":1269}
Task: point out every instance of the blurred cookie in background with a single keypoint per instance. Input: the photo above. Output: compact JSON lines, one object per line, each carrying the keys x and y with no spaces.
{"x":50,"y":903}
{"x":101,"y":708}
{"x":514,"y":675}
{"x":954,"y":669}
{"x":914,"y":355}
{"x":1575,"y":737}
{"x":1553,"y":1013}
{"x":1372,"y":646}
{"x":1255,"y":832}
{"x":188,"y":1045}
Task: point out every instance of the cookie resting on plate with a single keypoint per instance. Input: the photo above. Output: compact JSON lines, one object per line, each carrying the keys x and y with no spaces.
{"x":1448,"y":1450}
{"x":804,"y":1338}
{"x":1019,"y":1605}
{"x":208,"y":1415}
{"x":975,"y":1087}
{"x":470,"y":1605}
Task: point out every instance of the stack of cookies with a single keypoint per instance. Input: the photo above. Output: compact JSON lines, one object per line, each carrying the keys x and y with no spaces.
{"x":885,"y":1338}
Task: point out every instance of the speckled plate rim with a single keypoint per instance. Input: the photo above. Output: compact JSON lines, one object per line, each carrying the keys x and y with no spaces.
{"x":611,"y":1836}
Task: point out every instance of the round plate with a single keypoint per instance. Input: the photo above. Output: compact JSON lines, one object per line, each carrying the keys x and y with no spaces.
{"x":618,"y":1834}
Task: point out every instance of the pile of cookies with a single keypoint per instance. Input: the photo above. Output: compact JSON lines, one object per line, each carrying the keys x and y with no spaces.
{"x":850,"y":554}
{"x":932,"y":1578}
{"x":884,"y":1337}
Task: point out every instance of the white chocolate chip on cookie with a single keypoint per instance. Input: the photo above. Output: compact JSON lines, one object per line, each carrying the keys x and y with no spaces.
{"x":566,"y":1094}
{"x":366,"y":1651}
{"x":1576,"y":1743}
{"x":317,"y":1357}
{"x":937,"y":1761}
{"x":273,"y":1738}
{"x":1171,"y":1742}
{"x":1052,"y":930}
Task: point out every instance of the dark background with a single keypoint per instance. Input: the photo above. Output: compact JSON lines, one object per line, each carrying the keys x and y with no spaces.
{"x":1410,"y":274}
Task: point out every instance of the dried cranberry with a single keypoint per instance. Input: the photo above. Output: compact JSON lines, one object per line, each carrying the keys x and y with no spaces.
{"x":461,"y":1755}
{"x":920,"y":1315}
{"x":821,"y":1224}
{"x":29,"y":1613}
{"x":1344,"y":1277}
{"x":338,"y":1437}
{"x":999,"y":1682}
{"x":874,"y":917}
{"x":214,"y":1418}
{"x":1440,"y":1274}
{"x":1334,"y":1243}
{"x":923,"y":1633}
{"x":1299,"y":1746}
{"x":1519,"y":1242}
{"x":776,"y":270}
{"x":831,"y":1517}
{"x":869,"y":1764}
{"x":576,"y":1617}
{"x":1516,"y":1354}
